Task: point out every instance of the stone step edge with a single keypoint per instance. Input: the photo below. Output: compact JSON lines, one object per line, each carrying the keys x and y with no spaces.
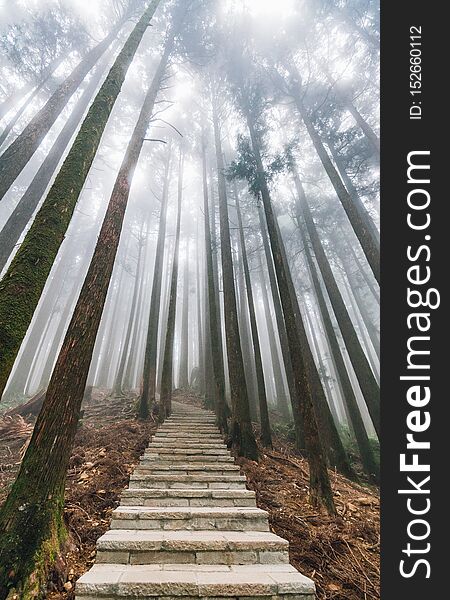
{"x":134,"y":581}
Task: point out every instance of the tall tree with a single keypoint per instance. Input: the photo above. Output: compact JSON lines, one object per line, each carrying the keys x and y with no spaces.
{"x":215,"y":333}
{"x":241,"y":431}
{"x":266,"y":436}
{"x":364,"y":373}
{"x":31,"y":520}
{"x":24,"y":281}
{"x":165,"y":407}
{"x":183,"y":378}
{"x":151,"y":345}
{"x":320,"y":487}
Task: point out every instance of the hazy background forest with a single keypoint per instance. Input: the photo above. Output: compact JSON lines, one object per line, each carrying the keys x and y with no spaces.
{"x":242,"y":153}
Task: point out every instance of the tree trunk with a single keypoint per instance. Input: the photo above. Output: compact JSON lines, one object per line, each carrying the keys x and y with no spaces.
{"x":284,"y":344}
{"x":165,"y":405}
{"x":266,"y":436}
{"x":126,"y":348}
{"x":22,"y":213}
{"x":31,"y":520}
{"x":24,"y":281}
{"x":242,"y":435}
{"x":320,"y":487}
{"x":364,"y":374}
{"x":19,"y":152}
{"x":280,"y":392}
{"x":183,"y":375}
{"x":151,"y":345}
{"x":214,"y":333}
{"x":360,"y":220}
{"x":362,"y":439}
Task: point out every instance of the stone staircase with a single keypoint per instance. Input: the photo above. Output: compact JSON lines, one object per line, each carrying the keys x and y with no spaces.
{"x":187,"y":526}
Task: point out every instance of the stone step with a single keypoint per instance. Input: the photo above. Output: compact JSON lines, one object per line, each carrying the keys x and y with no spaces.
{"x":223,"y":468}
{"x":167,"y":457}
{"x":186,"y":445}
{"x":274,"y":582}
{"x":193,"y":450}
{"x":214,"y":482}
{"x":210,"y":438}
{"x":190,"y":518}
{"x":144,"y":547}
{"x":187,"y":497}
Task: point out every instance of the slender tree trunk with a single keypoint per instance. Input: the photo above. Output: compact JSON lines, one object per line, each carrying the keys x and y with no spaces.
{"x":370,"y":134}
{"x":22,"y":213}
{"x":183,"y":375}
{"x":165,"y":407}
{"x":242,"y":435}
{"x":364,"y":374}
{"x":126,"y":348}
{"x":362,"y":439}
{"x":151,"y":345}
{"x":246,"y":339}
{"x":327,"y":426}
{"x":280,"y":392}
{"x":19,"y":152}
{"x":134,"y":342}
{"x":266,"y":436}
{"x":24,"y":281}
{"x":214,"y":332}
{"x":31,"y":519}
{"x":361,"y":304}
{"x":284,"y":344}
{"x":200,"y":324}
{"x":360,"y":220}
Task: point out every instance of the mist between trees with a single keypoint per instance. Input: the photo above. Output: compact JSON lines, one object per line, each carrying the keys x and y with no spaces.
{"x":190,"y":200}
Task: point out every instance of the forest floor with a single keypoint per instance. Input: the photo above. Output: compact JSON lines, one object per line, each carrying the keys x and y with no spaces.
{"x":341,"y":554}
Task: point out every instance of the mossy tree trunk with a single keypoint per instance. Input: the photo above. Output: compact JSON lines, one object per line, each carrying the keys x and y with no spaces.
{"x":31,"y":520}
{"x":242,"y":435}
{"x":165,"y":407}
{"x":214,"y":334}
{"x":22,"y":285}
